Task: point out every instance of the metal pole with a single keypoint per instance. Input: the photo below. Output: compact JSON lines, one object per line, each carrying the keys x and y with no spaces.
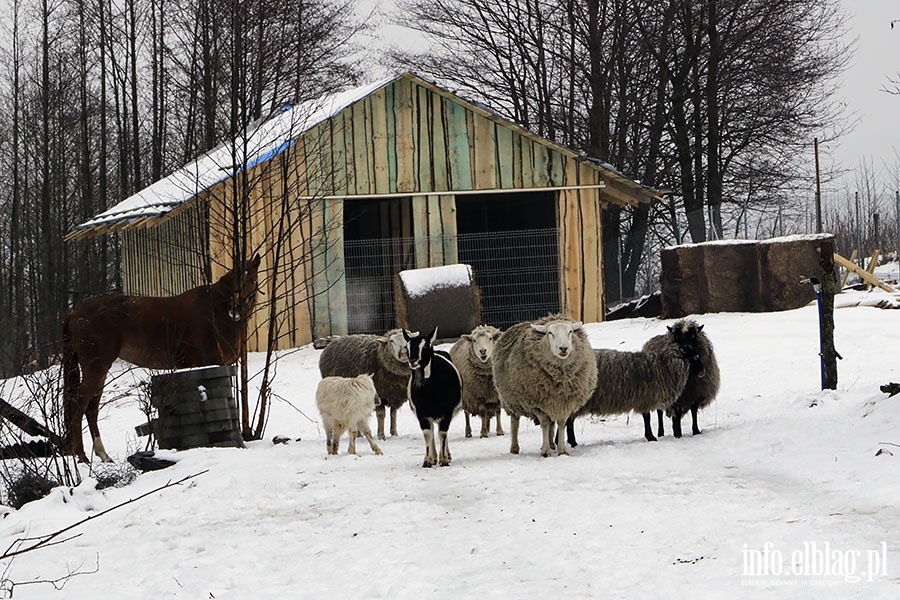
{"x":897,"y":257}
{"x":859,"y":254}
{"x":818,"y":190}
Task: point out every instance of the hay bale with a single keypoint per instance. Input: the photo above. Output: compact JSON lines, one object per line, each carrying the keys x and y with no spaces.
{"x":732,"y":277}
{"x":444,"y":296}
{"x":683,"y":281}
{"x":739,"y":276}
{"x":785,"y":261}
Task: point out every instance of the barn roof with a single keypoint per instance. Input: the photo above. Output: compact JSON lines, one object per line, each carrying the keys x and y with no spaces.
{"x":265,"y":139}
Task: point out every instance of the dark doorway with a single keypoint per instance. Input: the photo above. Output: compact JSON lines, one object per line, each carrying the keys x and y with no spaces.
{"x":376,"y":247}
{"x":512,"y":243}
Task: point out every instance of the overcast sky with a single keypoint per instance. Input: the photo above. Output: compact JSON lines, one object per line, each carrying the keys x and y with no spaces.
{"x":875,"y":138}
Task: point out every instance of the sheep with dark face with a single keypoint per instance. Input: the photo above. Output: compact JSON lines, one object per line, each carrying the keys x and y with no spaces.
{"x":544,"y":369}
{"x":635,"y":381}
{"x":345,"y":404}
{"x":702,"y":385}
{"x":383,"y":356}
{"x":434,"y":390}
{"x":472,"y":356}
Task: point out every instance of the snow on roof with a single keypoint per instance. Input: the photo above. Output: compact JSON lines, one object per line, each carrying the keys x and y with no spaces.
{"x":264,"y":139}
{"x":419,"y":282}
{"x":800,"y":237}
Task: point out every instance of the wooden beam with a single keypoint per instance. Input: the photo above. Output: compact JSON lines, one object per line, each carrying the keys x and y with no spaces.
{"x":847,"y":271}
{"x":866,"y":276}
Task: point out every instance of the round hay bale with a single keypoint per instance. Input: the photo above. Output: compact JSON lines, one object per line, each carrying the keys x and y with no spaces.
{"x":443,"y":296}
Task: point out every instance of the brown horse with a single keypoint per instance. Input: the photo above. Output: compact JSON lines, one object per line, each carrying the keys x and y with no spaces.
{"x":199,"y":327}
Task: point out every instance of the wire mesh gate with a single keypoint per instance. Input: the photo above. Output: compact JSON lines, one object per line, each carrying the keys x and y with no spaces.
{"x":516,"y":271}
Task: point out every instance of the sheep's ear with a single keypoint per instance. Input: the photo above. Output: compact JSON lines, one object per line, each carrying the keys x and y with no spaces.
{"x":468,"y":337}
{"x":577,"y":325}
{"x":496,"y":336}
{"x":408,"y":335}
{"x":383,"y":341}
{"x":539,"y":328}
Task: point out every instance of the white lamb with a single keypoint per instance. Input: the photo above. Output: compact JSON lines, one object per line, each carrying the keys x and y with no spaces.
{"x":346,"y":403}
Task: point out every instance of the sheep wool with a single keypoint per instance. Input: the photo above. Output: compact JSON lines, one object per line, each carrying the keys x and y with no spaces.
{"x":641,"y":381}
{"x":383,"y":356}
{"x":545,"y":369}
{"x":702,"y":385}
{"x":473,"y":357}
{"x":345,"y":404}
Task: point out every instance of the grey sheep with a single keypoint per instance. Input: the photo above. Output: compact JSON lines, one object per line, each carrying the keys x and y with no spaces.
{"x":472,"y":355}
{"x":635,"y":381}
{"x":383,"y":356}
{"x":703,"y":383}
{"x":345,"y":404}
{"x":546,"y":370}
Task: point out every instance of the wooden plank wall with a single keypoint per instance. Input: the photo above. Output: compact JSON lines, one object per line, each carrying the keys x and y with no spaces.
{"x":403,"y":139}
{"x":580,"y":251}
{"x":407,"y":138}
{"x":168,"y":258}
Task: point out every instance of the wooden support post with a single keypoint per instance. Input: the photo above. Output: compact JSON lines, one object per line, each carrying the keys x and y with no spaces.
{"x":873,"y":262}
{"x":866,"y":276}
{"x":827,"y":258}
{"x":847,"y":271}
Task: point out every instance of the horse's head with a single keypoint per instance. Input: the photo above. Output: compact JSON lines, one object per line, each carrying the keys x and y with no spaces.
{"x":244,"y":288}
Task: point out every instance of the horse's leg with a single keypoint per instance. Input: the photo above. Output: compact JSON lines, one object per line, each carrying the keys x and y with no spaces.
{"x":92,"y":380}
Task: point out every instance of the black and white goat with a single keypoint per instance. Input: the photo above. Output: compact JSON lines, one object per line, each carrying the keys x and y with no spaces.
{"x":435,"y":391}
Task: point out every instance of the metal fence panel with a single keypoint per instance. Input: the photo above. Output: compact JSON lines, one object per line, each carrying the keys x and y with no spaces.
{"x":516,"y":271}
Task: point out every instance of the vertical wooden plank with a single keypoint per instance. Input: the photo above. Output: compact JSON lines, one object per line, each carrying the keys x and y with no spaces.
{"x":527,"y":148}
{"x":557,"y":172}
{"x":541,"y":163}
{"x":448,"y":219}
{"x":435,"y":232}
{"x":458,"y":147}
{"x":423,"y":111}
{"x":406,"y":218}
{"x":504,"y":136}
{"x":406,"y":145}
{"x":361,"y":118}
{"x":391,"y":133}
{"x":321,"y":304}
{"x":485,"y":157}
{"x":517,"y":160}
{"x":337,"y":291}
{"x":572,"y":232}
{"x":345,"y":119}
{"x":439,"y":144}
{"x":420,"y":229}
{"x":380,"y":161}
{"x":590,"y":219}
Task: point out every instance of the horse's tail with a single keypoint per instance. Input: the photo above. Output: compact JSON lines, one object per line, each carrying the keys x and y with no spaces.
{"x":71,"y":383}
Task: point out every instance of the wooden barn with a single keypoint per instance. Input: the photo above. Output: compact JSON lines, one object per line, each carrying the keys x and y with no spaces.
{"x":341,"y":195}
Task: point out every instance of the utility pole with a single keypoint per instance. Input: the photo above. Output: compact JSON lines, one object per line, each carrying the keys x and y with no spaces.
{"x":818,"y":189}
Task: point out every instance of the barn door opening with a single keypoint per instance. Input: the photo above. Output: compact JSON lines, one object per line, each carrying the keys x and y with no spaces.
{"x":511,"y":242}
{"x":376,"y":247}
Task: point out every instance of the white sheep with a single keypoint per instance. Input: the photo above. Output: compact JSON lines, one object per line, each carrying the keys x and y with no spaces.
{"x":547,"y":370}
{"x":346,"y":403}
{"x":472,"y":355}
{"x":384,"y":356}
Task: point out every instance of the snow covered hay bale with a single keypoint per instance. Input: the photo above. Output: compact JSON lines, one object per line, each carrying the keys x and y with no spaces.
{"x":741,"y":275}
{"x":444,"y":296}
{"x":196,"y":408}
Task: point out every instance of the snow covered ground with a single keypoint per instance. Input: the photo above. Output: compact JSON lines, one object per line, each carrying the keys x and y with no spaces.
{"x":782,"y":493}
